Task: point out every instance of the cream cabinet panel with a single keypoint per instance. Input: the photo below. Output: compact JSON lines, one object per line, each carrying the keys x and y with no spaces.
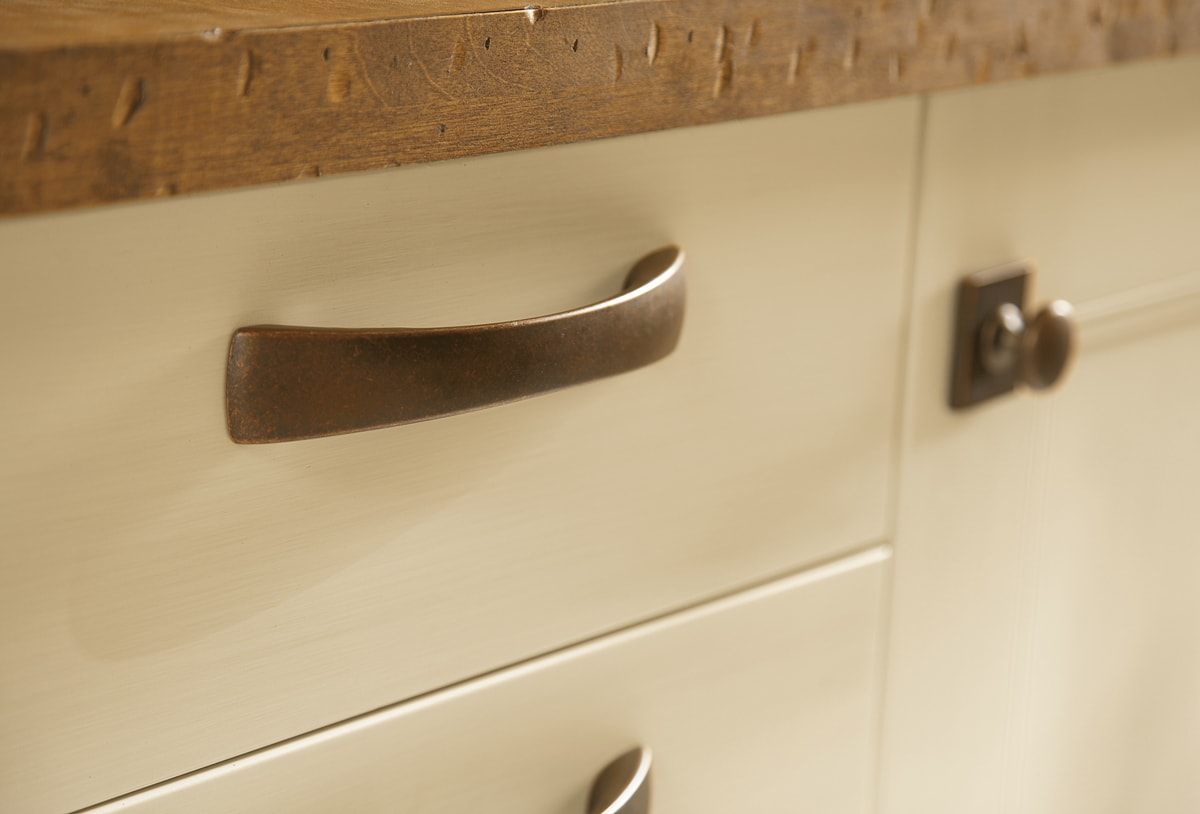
{"x":169,"y":600}
{"x":1045,"y":647}
{"x":765,"y":701}
{"x":1111,"y":718}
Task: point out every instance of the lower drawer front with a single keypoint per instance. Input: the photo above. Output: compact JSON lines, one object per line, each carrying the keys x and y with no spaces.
{"x":760,"y":702}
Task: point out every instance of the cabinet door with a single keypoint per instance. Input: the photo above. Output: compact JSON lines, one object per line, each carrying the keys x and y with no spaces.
{"x":1045,"y":651}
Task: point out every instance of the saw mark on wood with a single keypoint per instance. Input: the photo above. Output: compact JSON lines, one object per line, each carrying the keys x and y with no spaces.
{"x":37,"y":130}
{"x":247,"y":69}
{"x":850,"y":57}
{"x":457,"y":57}
{"x":129,"y":101}
{"x":724,"y":57}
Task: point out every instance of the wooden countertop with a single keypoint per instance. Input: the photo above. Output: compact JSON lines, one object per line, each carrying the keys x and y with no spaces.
{"x":105,"y":101}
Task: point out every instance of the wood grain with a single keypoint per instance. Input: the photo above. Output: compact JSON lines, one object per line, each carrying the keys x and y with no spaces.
{"x":105,"y":105}
{"x":28,"y":25}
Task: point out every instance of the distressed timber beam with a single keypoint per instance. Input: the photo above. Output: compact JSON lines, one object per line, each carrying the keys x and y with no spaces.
{"x":99,"y":105}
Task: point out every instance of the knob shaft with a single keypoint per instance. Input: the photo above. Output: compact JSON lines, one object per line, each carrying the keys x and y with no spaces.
{"x":1000,"y":339}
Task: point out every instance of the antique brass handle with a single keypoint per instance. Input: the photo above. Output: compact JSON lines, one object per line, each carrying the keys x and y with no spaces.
{"x":997,"y":347}
{"x":623,"y":786}
{"x":1038,"y":350}
{"x":286,"y":383}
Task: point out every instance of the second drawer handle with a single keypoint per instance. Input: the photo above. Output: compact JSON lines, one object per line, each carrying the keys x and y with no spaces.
{"x":286,"y":383}
{"x":623,"y":786}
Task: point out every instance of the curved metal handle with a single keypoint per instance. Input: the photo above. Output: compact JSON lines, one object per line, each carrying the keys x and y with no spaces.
{"x":287,"y":383}
{"x":623,"y":786}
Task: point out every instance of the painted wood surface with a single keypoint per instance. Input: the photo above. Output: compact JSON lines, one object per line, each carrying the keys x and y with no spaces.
{"x":169,"y":599}
{"x":105,"y":103}
{"x":763,"y":701}
{"x":1045,"y":651}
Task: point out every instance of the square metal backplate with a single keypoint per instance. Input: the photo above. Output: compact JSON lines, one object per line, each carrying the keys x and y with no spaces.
{"x":979,"y":295}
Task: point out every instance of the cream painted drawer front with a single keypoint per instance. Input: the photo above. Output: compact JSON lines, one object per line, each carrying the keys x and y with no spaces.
{"x":169,"y":599}
{"x":1045,"y":651}
{"x":762,"y":702}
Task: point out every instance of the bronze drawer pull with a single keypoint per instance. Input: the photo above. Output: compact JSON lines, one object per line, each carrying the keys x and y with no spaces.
{"x":623,"y":786}
{"x":287,"y":383}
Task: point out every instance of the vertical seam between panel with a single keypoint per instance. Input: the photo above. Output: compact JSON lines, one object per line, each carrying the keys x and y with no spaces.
{"x":902,"y":386}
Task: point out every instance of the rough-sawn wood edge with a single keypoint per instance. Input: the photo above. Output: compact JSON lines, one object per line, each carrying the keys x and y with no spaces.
{"x":83,"y":125}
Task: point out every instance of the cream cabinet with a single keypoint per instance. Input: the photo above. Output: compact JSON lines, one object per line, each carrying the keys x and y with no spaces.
{"x":172,"y":600}
{"x":1045,"y":645}
{"x":776,"y":557}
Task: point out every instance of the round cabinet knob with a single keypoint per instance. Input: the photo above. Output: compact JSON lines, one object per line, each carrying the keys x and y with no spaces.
{"x":998,"y":345}
{"x":1048,"y":345}
{"x":1037,"y":352}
